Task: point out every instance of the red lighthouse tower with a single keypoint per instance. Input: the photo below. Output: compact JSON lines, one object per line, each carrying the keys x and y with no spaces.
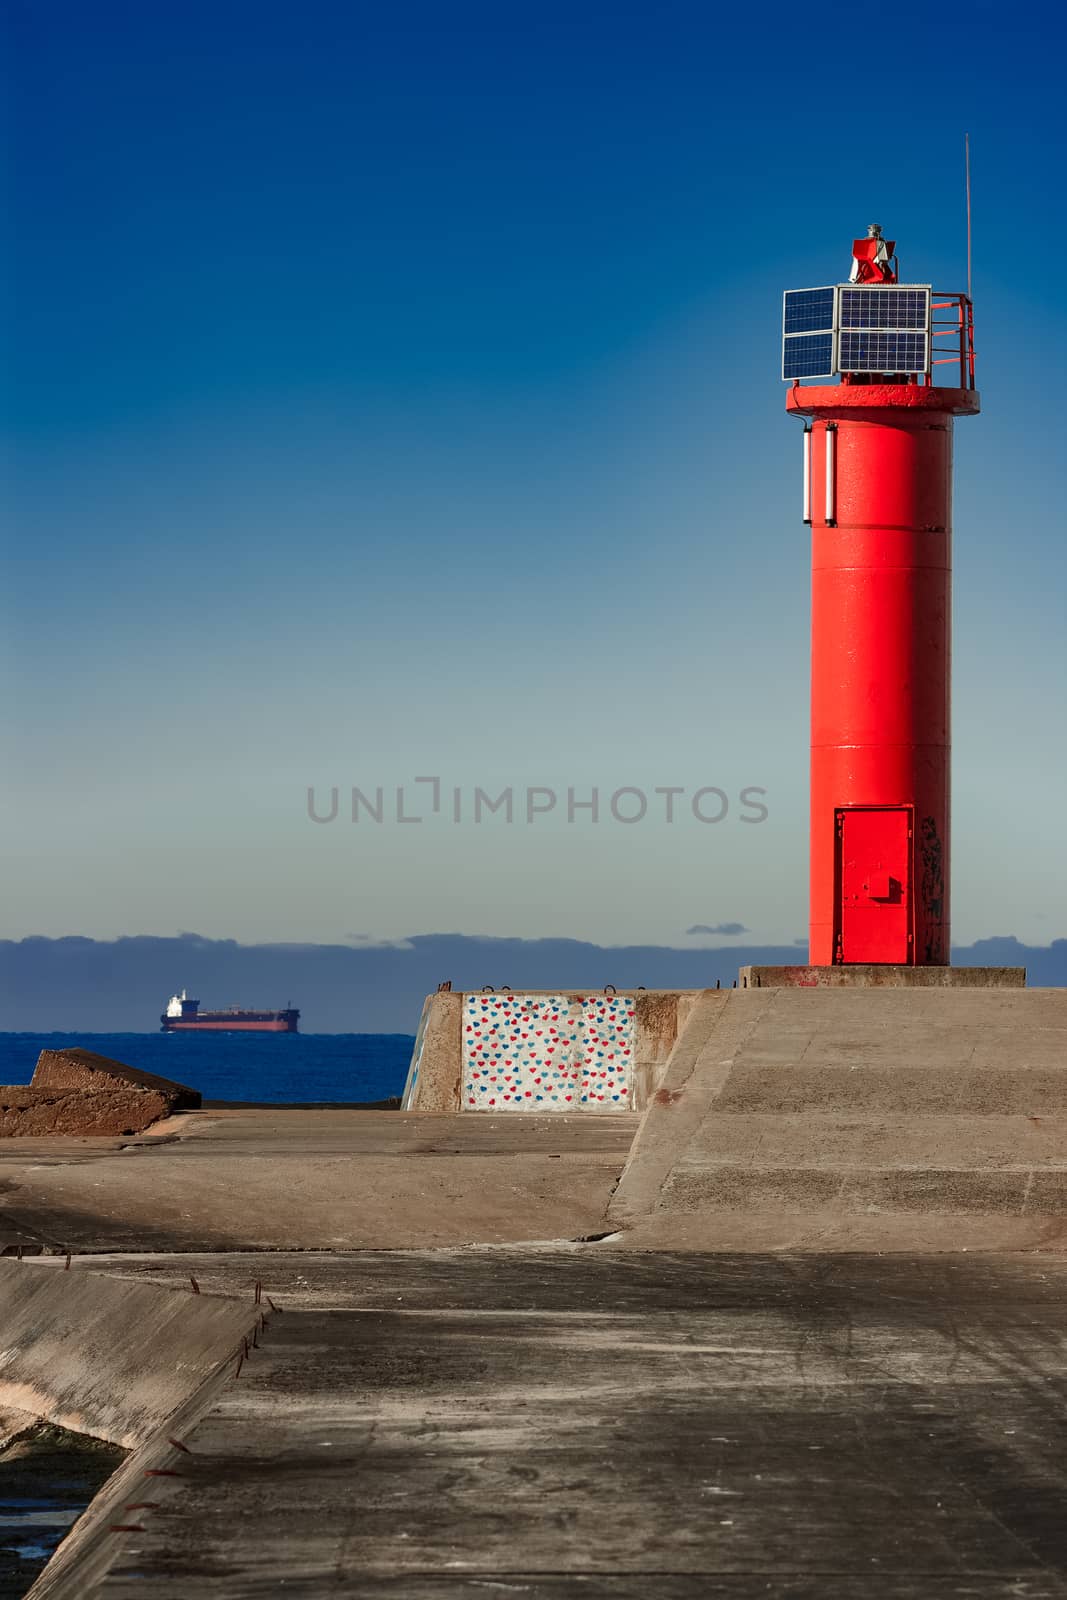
{"x":878,"y":499}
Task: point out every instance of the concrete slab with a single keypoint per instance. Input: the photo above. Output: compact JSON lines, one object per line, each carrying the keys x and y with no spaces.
{"x":108,"y":1358}
{"x":278,"y":1178}
{"x":437,"y":1426}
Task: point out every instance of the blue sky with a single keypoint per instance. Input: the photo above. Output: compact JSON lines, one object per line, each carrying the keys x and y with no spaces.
{"x":393,"y":392}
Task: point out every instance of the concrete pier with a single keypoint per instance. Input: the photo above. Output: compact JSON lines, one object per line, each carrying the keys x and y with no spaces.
{"x":795,"y":1329}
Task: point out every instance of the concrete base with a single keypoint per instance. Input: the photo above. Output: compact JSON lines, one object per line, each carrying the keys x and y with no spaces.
{"x":874,"y":975}
{"x":820,"y":1106}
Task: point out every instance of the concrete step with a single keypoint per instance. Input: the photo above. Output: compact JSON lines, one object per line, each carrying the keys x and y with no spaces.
{"x":791,"y":1086}
{"x":994,"y":1190}
{"x":835,"y":1140}
{"x":831,"y":1231}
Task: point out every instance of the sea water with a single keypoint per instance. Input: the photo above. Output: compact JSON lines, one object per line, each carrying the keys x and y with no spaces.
{"x":279,"y":1068}
{"x":47,"y":1479}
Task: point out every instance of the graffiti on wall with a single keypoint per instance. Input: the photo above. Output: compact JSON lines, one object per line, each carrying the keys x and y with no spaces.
{"x":548,"y":1052}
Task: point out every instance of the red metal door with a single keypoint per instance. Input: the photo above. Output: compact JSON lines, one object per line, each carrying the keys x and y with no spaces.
{"x":874,"y":878}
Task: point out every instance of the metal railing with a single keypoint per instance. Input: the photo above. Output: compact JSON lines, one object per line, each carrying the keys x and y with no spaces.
{"x":955,"y":323}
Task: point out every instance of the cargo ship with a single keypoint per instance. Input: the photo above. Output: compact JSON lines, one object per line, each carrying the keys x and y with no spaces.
{"x":185,"y":1016}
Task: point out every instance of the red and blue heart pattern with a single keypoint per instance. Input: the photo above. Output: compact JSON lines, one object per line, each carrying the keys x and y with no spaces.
{"x":548,"y":1052}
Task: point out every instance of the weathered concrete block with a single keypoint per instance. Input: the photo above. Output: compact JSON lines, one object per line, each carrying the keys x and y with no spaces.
{"x":79,"y":1113}
{"x":84,"y":1069}
{"x":77,"y":1093}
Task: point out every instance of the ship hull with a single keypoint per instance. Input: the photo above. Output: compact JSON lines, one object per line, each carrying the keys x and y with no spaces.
{"x":235,"y":1021}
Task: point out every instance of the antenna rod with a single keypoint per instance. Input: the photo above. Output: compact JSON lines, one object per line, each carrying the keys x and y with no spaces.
{"x":967,"y":181}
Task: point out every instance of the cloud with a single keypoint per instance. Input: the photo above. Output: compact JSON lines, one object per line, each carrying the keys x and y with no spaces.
{"x":725,"y":929}
{"x":86,"y":986}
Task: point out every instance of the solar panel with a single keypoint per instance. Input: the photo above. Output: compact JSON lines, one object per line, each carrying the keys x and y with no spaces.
{"x":843,"y":329}
{"x":808,"y":355}
{"x":808,"y":311}
{"x":887,"y":307}
{"x":870,"y":350}
{"x":808,"y":333}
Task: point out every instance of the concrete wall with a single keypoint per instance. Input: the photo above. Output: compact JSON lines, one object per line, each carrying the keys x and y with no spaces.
{"x":435,"y":1073}
{"x":544,"y":1050}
